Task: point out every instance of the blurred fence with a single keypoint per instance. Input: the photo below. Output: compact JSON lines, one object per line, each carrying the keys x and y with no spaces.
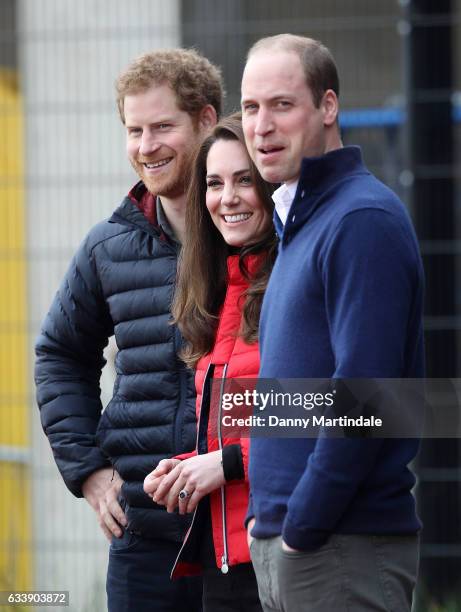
{"x":63,"y":168}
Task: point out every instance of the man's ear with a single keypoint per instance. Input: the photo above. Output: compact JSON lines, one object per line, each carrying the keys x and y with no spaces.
{"x":207,"y":117}
{"x":330,"y":107}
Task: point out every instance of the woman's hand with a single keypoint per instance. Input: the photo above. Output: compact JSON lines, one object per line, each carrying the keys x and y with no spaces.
{"x":196,"y":476}
{"x":153,"y":480}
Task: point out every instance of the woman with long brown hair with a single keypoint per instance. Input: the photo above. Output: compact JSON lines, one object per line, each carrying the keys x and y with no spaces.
{"x":224,"y":269}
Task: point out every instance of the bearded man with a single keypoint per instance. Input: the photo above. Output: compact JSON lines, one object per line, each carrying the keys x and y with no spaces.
{"x":120,"y":283}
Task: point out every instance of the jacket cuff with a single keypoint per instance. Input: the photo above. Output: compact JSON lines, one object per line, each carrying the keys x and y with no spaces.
{"x":232,"y":462}
{"x":303,"y":539}
{"x":75,"y":484}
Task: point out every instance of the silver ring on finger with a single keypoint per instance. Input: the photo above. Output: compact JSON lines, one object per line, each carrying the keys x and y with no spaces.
{"x":183,"y":494}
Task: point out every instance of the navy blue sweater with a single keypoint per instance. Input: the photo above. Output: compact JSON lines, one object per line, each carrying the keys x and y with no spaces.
{"x":344,"y":301}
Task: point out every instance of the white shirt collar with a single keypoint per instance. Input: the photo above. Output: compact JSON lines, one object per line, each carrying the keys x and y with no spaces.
{"x":283,"y":198}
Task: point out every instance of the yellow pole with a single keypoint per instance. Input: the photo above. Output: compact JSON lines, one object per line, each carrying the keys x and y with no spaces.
{"x":15,"y":524}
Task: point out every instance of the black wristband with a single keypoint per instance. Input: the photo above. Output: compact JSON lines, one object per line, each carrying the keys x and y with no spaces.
{"x":232,"y":462}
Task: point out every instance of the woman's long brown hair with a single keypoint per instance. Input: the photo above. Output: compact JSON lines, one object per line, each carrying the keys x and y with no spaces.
{"x":202,"y":272}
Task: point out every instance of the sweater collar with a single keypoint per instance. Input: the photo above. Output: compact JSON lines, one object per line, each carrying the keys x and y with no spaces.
{"x":320,"y":173}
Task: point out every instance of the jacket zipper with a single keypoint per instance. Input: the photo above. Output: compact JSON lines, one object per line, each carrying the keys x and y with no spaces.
{"x":179,"y":416}
{"x":195,"y":511}
{"x":225,"y":557}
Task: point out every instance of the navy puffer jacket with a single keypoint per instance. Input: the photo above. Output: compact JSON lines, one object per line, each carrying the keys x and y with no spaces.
{"x":120,"y":282}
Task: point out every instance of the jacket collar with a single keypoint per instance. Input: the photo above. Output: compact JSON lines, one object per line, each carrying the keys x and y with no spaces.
{"x":253,"y":263}
{"x":138,"y":209}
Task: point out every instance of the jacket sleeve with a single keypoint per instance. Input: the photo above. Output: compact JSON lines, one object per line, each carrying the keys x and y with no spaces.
{"x":371,"y":272}
{"x":69,"y":360}
{"x":184,"y":456}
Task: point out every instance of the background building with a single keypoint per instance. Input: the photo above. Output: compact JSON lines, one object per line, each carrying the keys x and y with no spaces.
{"x":63,"y":168}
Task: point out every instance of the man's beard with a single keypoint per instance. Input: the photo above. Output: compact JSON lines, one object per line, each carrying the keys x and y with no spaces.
{"x":174,"y":182}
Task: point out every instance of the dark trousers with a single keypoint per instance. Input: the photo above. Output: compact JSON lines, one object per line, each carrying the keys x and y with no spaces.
{"x":138,"y":578}
{"x":236,"y":591}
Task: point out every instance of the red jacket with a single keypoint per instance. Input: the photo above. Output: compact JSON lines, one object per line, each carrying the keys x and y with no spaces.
{"x":230,"y":358}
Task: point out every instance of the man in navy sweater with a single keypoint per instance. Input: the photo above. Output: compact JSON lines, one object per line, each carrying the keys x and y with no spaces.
{"x":332,"y":522}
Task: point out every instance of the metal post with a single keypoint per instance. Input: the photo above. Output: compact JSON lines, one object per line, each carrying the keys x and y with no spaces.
{"x":429,"y":51}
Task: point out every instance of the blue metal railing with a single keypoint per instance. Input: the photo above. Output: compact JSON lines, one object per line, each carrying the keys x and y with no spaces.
{"x":381,"y":117}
